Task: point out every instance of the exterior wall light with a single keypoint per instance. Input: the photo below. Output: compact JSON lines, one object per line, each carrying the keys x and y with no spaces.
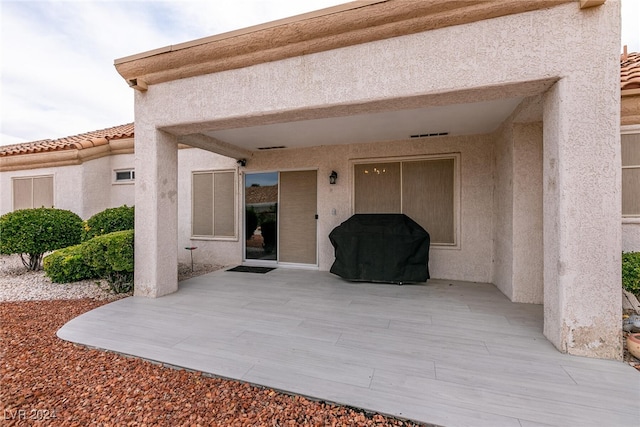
{"x":333,"y":177}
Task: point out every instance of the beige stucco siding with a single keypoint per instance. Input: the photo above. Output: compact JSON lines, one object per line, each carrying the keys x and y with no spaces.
{"x":528,"y":250}
{"x":121,"y":193}
{"x":210,"y":251}
{"x":471,"y":260}
{"x":568,"y":55}
{"x":67,"y":184}
{"x":518,"y":260}
{"x":84,"y":189}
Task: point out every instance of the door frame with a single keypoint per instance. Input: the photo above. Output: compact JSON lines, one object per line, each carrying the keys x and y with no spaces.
{"x":277,"y":262}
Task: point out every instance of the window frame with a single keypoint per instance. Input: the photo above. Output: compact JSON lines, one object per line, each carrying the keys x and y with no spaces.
{"x":130,"y":180}
{"x":213,"y":237}
{"x":32,"y":177}
{"x":456,"y":156}
{"x":628,"y":130}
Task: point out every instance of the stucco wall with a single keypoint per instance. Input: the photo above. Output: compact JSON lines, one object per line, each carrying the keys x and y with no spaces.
{"x":470,"y":261}
{"x":96,"y":186}
{"x":528,"y":250}
{"x":84,"y":189}
{"x":156,"y":225}
{"x":496,"y":57}
{"x":582,"y":211}
{"x":220,"y":252}
{"x":503,"y":211}
{"x":67,"y":185}
{"x":121,"y":193}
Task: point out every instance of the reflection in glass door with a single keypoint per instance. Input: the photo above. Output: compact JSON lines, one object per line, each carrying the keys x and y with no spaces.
{"x":261,"y":216}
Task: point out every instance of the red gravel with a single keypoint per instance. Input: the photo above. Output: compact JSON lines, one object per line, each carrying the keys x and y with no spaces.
{"x":47,"y":381}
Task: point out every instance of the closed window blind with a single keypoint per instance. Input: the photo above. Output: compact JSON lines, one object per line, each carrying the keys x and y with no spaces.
{"x":630,"y":174}
{"x":377,"y":188}
{"x":213,"y":204}
{"x":33,"y":192}
{"x":423,"y":190}
{"x":427,"y":196}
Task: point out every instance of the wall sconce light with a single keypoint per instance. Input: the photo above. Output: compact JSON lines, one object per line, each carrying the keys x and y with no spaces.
{"x":242,"y":162}
{"x":333,"y":177}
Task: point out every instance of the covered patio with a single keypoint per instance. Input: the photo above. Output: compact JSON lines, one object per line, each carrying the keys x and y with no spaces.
{"x":448,"y":353}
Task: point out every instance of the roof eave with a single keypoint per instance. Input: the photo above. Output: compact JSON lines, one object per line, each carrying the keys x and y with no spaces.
{"x":340,"y":26}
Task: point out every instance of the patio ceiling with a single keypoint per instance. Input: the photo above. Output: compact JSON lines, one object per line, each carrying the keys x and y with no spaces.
{"x":471,"y":111}
{"x":459,"y":119}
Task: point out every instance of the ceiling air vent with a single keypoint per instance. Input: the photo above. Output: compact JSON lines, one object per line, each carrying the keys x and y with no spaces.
{"x":275,"y":147}
{"x":426,"y":135}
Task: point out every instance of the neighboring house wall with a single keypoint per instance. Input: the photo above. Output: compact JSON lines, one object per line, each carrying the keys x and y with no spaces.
{"x":67,"y":185}
{"x":85,"y":187}
{"x":122,"y":193}
{"x":631,"y":187}
{"x":95,"y":186}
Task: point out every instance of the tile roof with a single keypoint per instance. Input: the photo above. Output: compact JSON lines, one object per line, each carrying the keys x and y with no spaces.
{"x":630,"y":71}
{"x":79,"y":142}
{"x":264,"y":194}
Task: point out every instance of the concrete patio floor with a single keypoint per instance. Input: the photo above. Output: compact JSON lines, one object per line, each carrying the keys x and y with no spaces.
{"x":447,"y":353}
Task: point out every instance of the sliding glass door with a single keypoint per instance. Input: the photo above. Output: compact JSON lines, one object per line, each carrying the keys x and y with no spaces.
{"x":280,"y":217}
{"x":261,"y":216}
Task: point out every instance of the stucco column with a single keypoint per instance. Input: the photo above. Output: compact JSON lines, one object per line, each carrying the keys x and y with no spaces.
{"x":156,"y":239}
{"x":582,"y":211}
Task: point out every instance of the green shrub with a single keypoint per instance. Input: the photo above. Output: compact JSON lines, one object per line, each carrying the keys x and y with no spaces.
{"x":108,"y":221}
{"x":67,"y":265}
{"x":94,"y":254}
{"x":33,"y":232}
{"x":631,"y":272}
{"x":110,"y":252}
{"x":109,"y":257}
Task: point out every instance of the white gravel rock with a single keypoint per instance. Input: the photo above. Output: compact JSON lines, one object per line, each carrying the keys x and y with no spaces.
{"x":19,"y":284}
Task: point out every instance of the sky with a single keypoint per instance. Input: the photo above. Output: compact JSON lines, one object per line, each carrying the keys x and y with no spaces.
{"x":56,"y":56}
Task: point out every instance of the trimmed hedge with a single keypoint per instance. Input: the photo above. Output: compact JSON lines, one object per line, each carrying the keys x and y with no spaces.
{"x":631,"y":272}
{"x":37,"y":231}
{"x":67,"y":265}
{"x":109,"y":257}
{"x":110,"y":252}
{"x":108,"y":221}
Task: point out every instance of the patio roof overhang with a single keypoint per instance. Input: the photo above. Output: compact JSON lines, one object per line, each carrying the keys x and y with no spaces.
{"x":467,"y":112}
{"x":331,"y":28}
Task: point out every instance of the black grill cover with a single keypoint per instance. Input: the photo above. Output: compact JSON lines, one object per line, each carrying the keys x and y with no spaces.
{"x":381,"y":248}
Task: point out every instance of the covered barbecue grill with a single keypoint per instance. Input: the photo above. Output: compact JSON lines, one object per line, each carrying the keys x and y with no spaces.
{"x":381,"y":248}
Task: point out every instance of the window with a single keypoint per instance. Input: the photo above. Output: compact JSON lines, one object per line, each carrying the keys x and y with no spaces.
{"x":630,"y":175}
{"x":214,"y":204}
{"x":32,"y":192}
{"x":124,"y":175}
{"x":422,"y":189}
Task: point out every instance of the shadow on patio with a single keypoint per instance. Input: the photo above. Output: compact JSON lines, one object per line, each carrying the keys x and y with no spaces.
{"x":448,"y":353}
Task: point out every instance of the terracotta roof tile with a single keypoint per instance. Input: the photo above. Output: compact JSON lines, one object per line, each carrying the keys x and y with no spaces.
{"x":266,"y":194}
{"x":81,"y":141}
{"x":630,"y":71}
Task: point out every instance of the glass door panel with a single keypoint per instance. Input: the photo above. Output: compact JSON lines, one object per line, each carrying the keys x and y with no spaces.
{"x":261,"y":216}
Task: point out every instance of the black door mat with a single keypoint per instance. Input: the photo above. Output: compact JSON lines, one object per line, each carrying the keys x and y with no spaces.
{"x":248,"y":269}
